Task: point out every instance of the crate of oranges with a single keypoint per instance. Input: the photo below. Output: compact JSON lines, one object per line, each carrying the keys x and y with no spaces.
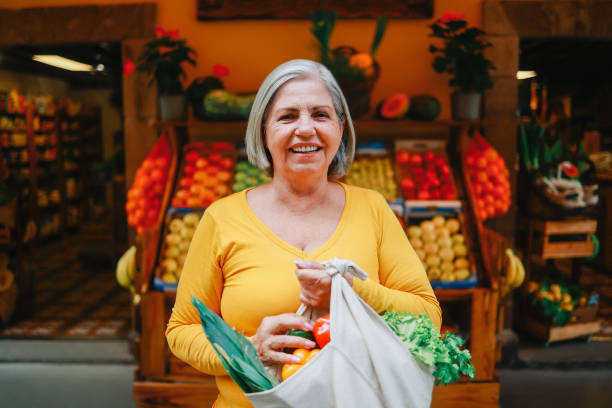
{"x":206,"y":174}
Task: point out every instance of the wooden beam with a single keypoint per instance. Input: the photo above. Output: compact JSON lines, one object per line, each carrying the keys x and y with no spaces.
{"x":153,"y":340}
{"x":53,"y":25}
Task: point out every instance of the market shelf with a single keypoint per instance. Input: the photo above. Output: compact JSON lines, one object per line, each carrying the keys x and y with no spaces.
{"x":366,"y":130}
{"x":449,"y":295}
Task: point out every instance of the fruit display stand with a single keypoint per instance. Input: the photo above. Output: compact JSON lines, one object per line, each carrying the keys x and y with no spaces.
{"x":560,"y":239}
{"x":163,"y":380}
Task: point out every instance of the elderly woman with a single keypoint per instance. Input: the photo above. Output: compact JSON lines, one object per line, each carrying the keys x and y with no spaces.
{"x":256,"y":254}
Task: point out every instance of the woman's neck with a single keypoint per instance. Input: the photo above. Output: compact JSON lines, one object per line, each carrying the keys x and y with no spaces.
{"x":301,"y":197}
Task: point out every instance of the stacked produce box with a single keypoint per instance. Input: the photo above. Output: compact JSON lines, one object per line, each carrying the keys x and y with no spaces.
{"x":414,"y":176}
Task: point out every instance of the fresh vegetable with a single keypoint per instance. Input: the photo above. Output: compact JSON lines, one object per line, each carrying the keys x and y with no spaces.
{"x":304,"y":355}
{"x":423,"y":339}
{"x":490,"y":178}
{"x":298,"y":333}
{"x":237,"y":353}
{"x":321,"y":330}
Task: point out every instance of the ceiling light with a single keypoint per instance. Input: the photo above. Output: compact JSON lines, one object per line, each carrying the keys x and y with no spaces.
{"x":61,"y":62}
{"x":100,"y":67}
{"x":525,"y":74}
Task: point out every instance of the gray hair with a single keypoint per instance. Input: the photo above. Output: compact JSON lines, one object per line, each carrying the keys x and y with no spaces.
{"x":297,"y":69}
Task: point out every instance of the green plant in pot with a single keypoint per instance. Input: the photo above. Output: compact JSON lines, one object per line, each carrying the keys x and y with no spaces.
{"x":462,"y":56}
{"x":163,"y":59}
{"x":356,"y":72}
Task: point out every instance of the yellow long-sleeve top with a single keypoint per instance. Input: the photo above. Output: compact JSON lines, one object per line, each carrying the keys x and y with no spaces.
{"x":242,"y":271}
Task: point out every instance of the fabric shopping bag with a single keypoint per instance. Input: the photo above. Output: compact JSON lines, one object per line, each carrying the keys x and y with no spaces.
{"x":364,"y":365}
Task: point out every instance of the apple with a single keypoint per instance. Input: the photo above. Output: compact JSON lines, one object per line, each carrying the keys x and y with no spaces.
{"x":428,"y":157}
{"x":402,"y":157}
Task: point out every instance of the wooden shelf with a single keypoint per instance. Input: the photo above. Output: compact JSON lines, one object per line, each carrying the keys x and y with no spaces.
{"x":449,"y":295}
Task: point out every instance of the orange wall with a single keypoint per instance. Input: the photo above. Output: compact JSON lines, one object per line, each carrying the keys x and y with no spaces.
{"x":251,"y":49}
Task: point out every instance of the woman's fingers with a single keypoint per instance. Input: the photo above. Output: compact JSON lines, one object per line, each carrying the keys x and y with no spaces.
{"x":270,"y":338}
{"x":316,"y":286}
{"x":281,"y":323}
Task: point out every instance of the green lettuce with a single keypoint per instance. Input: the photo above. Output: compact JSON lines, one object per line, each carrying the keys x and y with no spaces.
{"x":423,"y":339}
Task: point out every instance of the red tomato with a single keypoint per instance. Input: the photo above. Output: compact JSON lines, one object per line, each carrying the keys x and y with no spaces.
{"x":402,"y":157}
{"x":423,"y":195}
{"x":214,"y":157}
{"x":441,"y":161}
{"x":481,"y":162}
{"x":436,"y":194}
{"x":186,"y":182}
{"x":157,"y":175}
{"x":470,"y":160}
{"x":148,"y":165}
{"x":321,"y":331}
{"x":416,"y":159}
{"x":192,"y":156}
{"x":189,"y":169}
{"x":407,"y":183}
{"x":162,"y":162}
{"x":201,"y":163}
{"x":428,"y":157}
{"x":226,"y":163}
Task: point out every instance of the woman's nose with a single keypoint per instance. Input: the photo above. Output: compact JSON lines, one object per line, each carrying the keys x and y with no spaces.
{"x":305,"y":126}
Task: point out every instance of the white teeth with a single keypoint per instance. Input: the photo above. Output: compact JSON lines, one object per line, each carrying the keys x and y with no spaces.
{"x":305,"y":149}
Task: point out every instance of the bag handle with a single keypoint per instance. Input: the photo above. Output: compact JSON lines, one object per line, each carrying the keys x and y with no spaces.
{"x":335,"y":267}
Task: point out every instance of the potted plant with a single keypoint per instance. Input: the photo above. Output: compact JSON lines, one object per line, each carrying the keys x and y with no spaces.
{"x":462,"y":56}
{"x":163,"y":58}
{"x":356,"y":72}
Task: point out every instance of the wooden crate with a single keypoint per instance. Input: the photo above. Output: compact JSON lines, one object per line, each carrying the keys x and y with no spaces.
{"x":552,"y":334}
{"x":563,"y":239}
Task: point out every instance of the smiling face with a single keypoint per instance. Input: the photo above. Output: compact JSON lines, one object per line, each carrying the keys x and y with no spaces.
{"x":302,"y":129}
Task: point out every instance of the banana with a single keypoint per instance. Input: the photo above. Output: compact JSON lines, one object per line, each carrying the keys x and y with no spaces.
{"x":121,"y":272}
{"x":520,"y":277}
{"x":130,"y":255}
{"x":511,"y":270}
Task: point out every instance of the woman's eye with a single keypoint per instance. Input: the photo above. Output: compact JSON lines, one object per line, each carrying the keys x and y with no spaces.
{"x":285,"y":117}
{"x":322,"y":115}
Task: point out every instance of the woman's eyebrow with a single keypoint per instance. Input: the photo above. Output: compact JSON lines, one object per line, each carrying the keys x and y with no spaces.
{"x":293,"y":109}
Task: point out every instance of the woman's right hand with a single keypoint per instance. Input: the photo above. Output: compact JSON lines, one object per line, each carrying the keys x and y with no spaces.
{"x":270,"y":338}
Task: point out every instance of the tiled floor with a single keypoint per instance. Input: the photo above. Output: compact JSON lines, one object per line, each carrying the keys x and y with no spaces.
{"x":73,"y":297}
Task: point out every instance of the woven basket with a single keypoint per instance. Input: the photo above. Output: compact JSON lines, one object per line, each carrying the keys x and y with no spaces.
{"x":357,"y":94}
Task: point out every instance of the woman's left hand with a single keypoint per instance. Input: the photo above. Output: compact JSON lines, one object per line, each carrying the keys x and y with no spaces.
{"x":315,"y":283}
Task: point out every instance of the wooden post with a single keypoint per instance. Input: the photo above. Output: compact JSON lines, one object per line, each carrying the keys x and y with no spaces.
{"x":482,"y":333}
{"x":153,"y":339}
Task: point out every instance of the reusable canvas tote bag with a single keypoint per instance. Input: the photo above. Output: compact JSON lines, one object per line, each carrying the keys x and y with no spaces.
{"x":364,"y":365}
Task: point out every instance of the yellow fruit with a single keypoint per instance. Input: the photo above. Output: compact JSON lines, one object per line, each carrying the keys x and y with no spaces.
{"x":6,"y":279}
{"x":462,"y":274}
{"x":556,"y":292}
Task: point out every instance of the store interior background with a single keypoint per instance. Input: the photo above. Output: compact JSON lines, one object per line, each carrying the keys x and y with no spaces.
{"x":261,"y":45}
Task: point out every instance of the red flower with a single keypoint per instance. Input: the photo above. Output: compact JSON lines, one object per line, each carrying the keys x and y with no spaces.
{"x":220,"y":70}
{"x":161,"y":32}
{"x":128,"y":67}
{"x":452,"y":16}
{"x":569,"y":169}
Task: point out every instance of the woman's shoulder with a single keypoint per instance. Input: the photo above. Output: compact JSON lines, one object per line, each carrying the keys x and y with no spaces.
{"x":228,"y":205}
{"x":362,"y":195}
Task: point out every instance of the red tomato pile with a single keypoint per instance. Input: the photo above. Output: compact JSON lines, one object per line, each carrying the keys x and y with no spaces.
{"x":425,"y":176}
{"x":205,"y":176}
{"x":489,"y":175}
{"x":145,"y":196}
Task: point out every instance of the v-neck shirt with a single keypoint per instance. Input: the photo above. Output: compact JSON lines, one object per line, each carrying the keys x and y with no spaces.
{"x":244,"y":272}
{"x":289,"y":247}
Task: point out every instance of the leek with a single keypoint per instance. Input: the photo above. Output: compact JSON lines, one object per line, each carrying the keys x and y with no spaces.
{"x":237,"y":353}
